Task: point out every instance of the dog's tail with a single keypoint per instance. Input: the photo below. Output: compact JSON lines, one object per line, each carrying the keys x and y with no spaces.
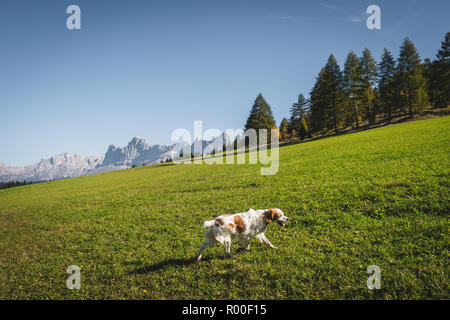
{"x":208,"y":224}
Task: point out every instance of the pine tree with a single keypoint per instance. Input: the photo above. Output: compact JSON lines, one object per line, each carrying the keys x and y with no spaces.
{"x":411,"y":79}
{"x":369,"y":76}
{"x":318,"y":104}
{"x":284,"y":125}
{"x":260,"y":115}
{"x":303,"y":129}
{"x":298,"y":111}
{"x":353,"y":84}
{"x":444,"y":52}
{"x":334,"y":92}
{"x":387,"y":84}
{"x":443,"y":62}
{"x":438,"y":75}
{"x":327,"y":98}
{"x":429,"y":72}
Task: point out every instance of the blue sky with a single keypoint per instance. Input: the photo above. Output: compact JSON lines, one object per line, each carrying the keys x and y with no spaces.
{"x":145,"y":68}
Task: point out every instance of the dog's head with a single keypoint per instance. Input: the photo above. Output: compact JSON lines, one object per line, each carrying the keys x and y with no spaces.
{"x":275,"y":215}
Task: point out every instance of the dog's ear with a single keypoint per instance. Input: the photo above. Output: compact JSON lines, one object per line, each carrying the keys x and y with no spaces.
{"x":270,"y":215}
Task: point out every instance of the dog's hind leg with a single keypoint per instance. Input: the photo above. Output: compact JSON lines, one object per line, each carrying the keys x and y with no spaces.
{"x":205,"y":245}
{"x":209,"y":241}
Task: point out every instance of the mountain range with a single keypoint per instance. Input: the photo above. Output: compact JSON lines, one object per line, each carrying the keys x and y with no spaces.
{"x":136,"y":153}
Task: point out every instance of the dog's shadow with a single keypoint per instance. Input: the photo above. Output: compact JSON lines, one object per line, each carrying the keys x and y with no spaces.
{"x":167,"y":263}
{"x":178,"y":263}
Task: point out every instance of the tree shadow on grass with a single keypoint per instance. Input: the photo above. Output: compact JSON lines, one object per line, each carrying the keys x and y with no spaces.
{"x":167,"y":263}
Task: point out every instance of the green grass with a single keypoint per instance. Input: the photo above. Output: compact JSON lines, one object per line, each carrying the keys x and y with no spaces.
{"x":374,"y":197}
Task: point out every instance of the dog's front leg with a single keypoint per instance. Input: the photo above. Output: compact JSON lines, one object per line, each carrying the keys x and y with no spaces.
{"x":266,"y":241}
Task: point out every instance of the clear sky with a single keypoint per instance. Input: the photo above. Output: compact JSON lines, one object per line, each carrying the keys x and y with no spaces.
{"x":145,"y":68}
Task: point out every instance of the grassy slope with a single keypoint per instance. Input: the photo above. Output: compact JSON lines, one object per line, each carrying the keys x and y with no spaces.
{"x":374,"y":197}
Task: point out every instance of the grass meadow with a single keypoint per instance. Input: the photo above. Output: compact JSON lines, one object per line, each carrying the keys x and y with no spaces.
{"x":376,"y":197}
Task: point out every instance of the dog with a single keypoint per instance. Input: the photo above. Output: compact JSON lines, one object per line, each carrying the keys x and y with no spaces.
{"x":241,"y":226}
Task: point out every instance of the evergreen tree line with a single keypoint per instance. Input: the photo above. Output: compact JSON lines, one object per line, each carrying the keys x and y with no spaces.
{"x":364,"y":92}
{"x":10,"y":184}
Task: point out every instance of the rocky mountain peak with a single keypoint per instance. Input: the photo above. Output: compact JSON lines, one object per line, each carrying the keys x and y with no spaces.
{"x":138,"y":143}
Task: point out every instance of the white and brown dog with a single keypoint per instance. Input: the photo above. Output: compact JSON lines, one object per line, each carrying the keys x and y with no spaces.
{"x":241,"y":226}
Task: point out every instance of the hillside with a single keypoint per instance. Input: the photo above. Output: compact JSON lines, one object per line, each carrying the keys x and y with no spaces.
{"x":377,"y":197}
